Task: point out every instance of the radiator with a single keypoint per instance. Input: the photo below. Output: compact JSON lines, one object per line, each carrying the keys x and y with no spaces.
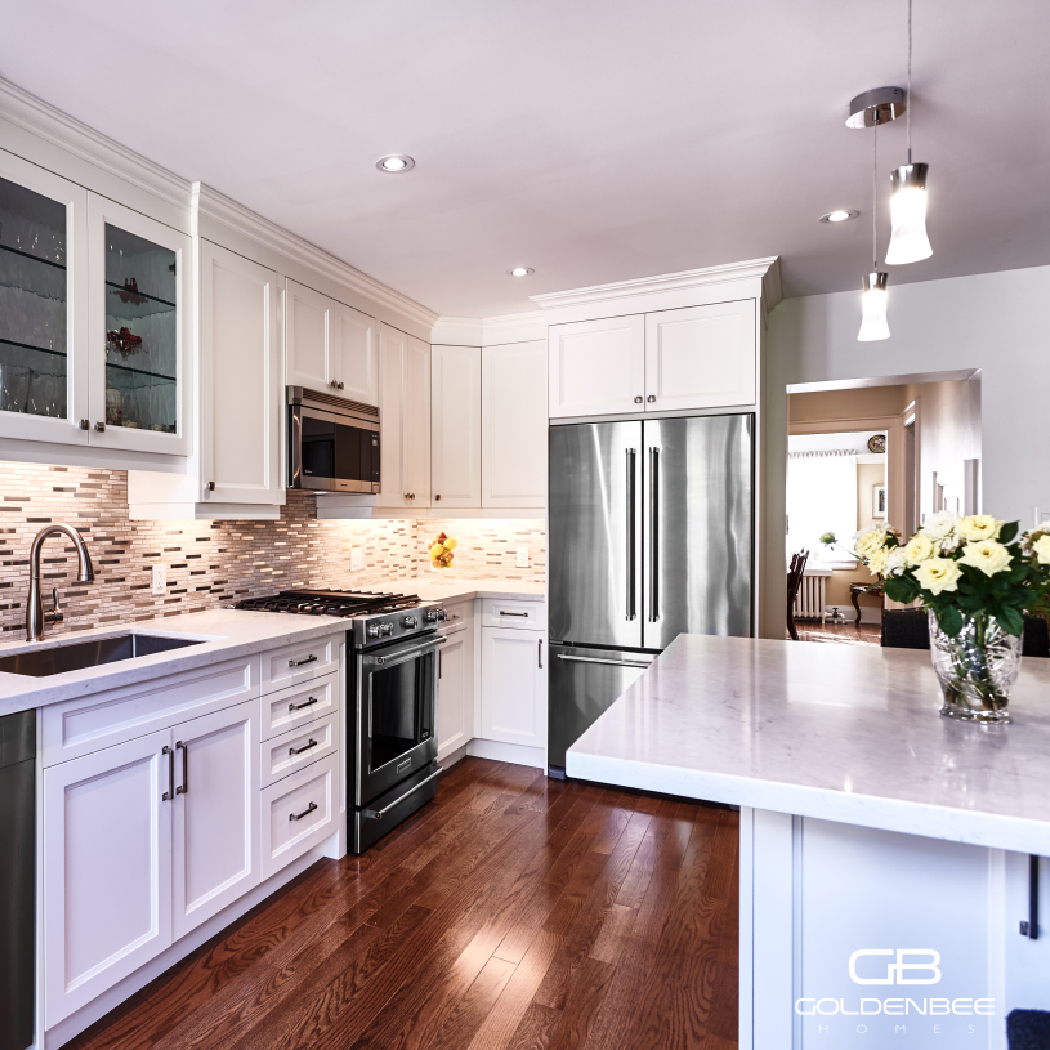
{"x":810,"y":603}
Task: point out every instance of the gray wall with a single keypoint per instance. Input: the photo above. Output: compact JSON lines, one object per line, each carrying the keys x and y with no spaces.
{"x":996,"y":322}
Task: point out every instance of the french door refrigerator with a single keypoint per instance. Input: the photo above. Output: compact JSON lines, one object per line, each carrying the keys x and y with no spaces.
{"x":651,"y":535}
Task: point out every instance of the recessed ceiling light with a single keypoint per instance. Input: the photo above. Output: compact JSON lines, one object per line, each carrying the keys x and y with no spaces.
{"x":395,"y":163}
{"x":520,"y":271}
{"x":839,"y":215}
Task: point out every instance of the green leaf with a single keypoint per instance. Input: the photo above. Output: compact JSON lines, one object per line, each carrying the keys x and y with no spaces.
{"x":900,"y":589}
{"x":951,"y":620}
{"x":1009,"y":531}
{"x":1012,"y":621}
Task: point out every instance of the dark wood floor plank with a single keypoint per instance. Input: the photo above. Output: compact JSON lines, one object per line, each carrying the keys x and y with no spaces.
{"x":535,"y":1030}
{"x":590,"y":983}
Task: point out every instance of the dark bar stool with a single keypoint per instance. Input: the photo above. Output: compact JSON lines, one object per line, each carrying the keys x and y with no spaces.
{"x":1028,"y":1030}
{"x":905,"y":629}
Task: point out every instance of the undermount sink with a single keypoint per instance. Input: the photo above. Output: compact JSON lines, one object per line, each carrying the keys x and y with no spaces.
{"x":55,"y":659}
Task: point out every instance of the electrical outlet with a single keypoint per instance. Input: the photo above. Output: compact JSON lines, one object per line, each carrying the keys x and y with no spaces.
{"x":160,"y":581}
{"x":522,"y":561}
{"x":355,"y":559}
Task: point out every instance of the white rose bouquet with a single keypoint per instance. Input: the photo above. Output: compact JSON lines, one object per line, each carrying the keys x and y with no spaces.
{"x":962,"y":568}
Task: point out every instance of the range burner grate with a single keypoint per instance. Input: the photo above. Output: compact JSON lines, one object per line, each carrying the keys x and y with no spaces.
{"x":332,"y":603}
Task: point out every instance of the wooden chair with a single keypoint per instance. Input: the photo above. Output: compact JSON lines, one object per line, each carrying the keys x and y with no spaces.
{"x":794,"y":582}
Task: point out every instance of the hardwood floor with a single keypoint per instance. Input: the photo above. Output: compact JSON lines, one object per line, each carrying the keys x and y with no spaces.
{"x":848,"y":633}
{"x":511,"y":912}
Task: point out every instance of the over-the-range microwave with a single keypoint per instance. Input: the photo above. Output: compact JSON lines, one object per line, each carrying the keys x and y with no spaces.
{"x":333,"y":443}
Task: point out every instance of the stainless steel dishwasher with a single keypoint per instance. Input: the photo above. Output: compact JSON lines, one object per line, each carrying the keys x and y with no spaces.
{"x":17,"y":869}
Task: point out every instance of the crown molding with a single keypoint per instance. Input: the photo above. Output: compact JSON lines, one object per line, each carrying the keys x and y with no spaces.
{"x":666,"y":289}
{"x":212,"y":204}
{"x":489,"y":331}
{"x":457,"y":331}
{"x":40,"y":118}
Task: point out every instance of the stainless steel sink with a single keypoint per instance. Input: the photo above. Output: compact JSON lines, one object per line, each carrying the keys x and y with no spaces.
{"x":55,"y":659}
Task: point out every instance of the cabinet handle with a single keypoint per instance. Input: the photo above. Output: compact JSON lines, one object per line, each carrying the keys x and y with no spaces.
{"x":540,"y":654}
{"x":439,"y":665}
{"x":85,"y":424}
{"x":305,"y":813}
{"x":1030,"y":927}
{"x":211,"y":486}
{"x":336,"y":384}
{"x":184,"y":787}
{"x":651,"y":398}
{"x":638,"y":399}
{"x":305,"y":747}
{"x":410,"y":495}
{"x":100,"y":427}
{"x":311,"y":659}
{"x":169,"y":795}
{"x":503,"y":612}
{"x":306,"y":703}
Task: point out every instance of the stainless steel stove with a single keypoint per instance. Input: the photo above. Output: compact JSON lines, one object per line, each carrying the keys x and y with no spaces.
{"x":391,"y":717}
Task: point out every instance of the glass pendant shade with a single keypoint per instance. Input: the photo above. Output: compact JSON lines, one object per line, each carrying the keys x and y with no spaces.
{"x":873,"y":299}
{"x":908,"y":240}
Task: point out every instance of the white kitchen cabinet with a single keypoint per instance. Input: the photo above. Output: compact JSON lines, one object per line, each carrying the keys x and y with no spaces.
{"x":456,"y":426}
{"x":299,"y":812}
{"x":514,"y":686}
{"x":455,"y":716}
{"x":514,"y":425}
{"x":596,"y":367}
{"x":107,"y":869}
{"x":307,"y":347}
{"x":216,"y":831}
{"x":352,"y":336}
{"x":405,"y":416}
{"x":701,"y":357}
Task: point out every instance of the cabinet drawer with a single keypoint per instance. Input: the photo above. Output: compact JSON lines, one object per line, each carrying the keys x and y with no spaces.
{"x":529,"y":616}
{"x":295,"y":664}
{"x":299,"y":748}
{"x":291,"y":708}
{"x":298,"y":813}
{"x":80,"y":727}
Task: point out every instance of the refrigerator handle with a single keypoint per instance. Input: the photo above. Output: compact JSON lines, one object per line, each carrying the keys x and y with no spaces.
{"x":631,"y":598}
{"x":654,"y":534}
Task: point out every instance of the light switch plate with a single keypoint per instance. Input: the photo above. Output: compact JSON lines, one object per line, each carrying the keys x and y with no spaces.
{"x":160,"y":581}
{"x":522,"y":561}
{"x":355,"y":559}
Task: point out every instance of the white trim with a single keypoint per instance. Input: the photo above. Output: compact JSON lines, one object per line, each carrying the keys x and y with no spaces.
{"x":864,"y":384}
{"x":457,"y":331}
{"x":499,"y":751}
{"x":489,"y":331}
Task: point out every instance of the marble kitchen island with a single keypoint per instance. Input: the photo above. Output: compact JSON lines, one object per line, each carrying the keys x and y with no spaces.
{"x":884,"y":850}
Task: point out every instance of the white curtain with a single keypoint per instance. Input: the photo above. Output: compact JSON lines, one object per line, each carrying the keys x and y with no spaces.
{"x":821,"y":497}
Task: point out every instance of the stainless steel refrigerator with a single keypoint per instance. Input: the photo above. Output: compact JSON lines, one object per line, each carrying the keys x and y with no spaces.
{"x":651,"y":536}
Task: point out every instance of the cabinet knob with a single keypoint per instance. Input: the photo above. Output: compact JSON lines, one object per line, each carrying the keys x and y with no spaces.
{"x":410,"y":495}
{"x":437,"y":498}
{"x":211,"y":486}
{"x":651,"y":398}
{"x":85,"y":424}
{"x":638,"y":399}
{"x":100,"y":427}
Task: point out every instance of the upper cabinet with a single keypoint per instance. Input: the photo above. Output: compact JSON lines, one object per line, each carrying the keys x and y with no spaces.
{"x":514,"y":425}
{"x":329,"y":346}
{"x":456,"y":426}
{"x":597,"y":367}
{"x":404,"y":414}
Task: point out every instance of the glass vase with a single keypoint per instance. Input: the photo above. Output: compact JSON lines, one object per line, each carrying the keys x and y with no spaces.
{"x":976,"y":669}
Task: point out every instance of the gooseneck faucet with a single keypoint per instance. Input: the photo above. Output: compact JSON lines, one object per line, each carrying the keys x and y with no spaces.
{"x":35,"y":616}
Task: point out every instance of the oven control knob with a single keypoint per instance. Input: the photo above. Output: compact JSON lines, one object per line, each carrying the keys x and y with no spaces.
{"x":373,"y":630}
{"x":408,"y":621}
{"x":442,"y":615}
{"x":431,"y":615}
{"x":386,"y":628}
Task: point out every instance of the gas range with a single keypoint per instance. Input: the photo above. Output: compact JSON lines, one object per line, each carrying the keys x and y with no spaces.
{"x":376,"y":617}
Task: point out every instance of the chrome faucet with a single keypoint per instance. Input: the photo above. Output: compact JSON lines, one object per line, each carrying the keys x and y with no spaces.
{"x":35,"y":616}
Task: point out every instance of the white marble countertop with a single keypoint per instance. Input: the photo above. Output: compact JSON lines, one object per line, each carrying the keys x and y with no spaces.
{"x":847,"y":733}
{"x":434,"y":588}
{"x":229,"y":633}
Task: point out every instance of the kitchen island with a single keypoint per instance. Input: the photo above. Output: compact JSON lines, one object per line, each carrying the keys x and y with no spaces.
{"x":884,"y":850}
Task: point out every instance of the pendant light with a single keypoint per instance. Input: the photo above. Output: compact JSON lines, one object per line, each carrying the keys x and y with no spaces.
{"x":873,"y":324}
{"x":908,"y":240}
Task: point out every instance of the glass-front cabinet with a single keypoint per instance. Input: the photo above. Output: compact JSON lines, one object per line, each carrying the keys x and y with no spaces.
{"x":42,"y":254}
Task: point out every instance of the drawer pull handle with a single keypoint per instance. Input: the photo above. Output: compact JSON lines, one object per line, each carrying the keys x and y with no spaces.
{"x":311,"y":659}
{"x":305,"y":813}
{"x":305,"y":747}
{"x":184,"y":787}
{"x":306,"y":703}
{"x":503,"y":612}
{"x":169,"y":795}
{"x":375,"y":814}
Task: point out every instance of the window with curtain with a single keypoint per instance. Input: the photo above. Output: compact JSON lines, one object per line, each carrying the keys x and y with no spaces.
{"x":822,"y":497}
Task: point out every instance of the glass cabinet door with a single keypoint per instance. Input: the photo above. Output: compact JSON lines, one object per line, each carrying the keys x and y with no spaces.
{"x":137,"y":379}
{"x":36,"y":337}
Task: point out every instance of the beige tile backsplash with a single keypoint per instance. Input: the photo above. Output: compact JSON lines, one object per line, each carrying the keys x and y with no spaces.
{"x":216,"y":563}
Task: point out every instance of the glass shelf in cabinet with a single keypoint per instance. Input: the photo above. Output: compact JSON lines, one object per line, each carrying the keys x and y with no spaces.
{"x":31,"y":257}
{"x":133,"y":297}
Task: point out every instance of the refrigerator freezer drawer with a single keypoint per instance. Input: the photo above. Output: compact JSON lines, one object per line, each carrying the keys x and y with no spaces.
{"x":583,"y":683}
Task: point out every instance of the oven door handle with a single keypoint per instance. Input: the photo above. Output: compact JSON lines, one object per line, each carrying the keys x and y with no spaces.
{"x":405,"y":654}
{"x":377,"y":813}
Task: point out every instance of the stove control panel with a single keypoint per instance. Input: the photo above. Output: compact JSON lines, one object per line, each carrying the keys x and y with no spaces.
{"x":436,"y":615}
{"x":408,"y":621}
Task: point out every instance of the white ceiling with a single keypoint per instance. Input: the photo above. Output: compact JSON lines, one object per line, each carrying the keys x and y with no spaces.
{"x":595,"y":140}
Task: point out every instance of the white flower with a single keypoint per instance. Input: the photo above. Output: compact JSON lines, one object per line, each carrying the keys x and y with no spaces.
{"x":896,"y":560}
{"x":1042,"y":550}
{"x":919,"y":548}
{"x":987,"y":555}
{"x":938,"y":574}
{"x":940,"y":526}
{"x":870,"y":541}
{"x":978,"y":527}
{"x":877,"y":561}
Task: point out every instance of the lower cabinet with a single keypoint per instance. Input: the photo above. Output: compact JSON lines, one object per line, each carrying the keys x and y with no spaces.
{"x":514,"y":686}
{"x":298,"y":813}
{"x":456,"y":690}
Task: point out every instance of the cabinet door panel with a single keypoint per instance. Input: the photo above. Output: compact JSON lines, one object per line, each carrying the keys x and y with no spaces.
{"x":240,"y":380}
{"x":354,"y":354}
{"x":107,"y":870}
{"x":306,"y":320}
{"x":298,"y":812}
{"x":456,"y":691}
{"x":456,"y":426}
{"x":700,"y":357}
{"x":392,"y":488}
{"x":514,"y":425}
{"x":513,"y":690}
{"x":597,"y":367}
{"x":415,"y":421}
{"x":215,"y":851}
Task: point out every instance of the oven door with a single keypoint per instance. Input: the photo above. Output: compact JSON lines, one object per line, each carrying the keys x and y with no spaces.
{"x":328,"y":453}
{"x":396,"y":715}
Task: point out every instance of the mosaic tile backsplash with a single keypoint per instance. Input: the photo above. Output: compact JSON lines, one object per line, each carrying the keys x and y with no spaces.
{"x":216,"y":563}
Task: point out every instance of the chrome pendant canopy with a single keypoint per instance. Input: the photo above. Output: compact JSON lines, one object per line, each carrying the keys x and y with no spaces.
{"x":878,"y":106}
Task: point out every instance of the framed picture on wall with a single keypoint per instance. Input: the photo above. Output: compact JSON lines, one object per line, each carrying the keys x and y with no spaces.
{"x":878,"y":501}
